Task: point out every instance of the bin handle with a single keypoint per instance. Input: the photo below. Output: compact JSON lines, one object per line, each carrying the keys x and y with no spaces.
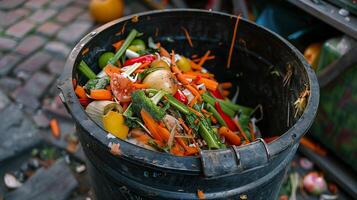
{"x":235,"y":159}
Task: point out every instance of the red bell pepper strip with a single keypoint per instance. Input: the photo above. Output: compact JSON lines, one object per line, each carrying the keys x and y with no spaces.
{"x":230,"y":123}
{"x":181,"y":97}
{"x":141,"y":59}
{"x":84,"y":102}
{"x":217,"y":94}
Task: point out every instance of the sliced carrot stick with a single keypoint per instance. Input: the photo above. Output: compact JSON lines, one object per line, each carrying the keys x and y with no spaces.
{"x":251,"y":131}
{"x":140,"y":85}
{"x":80,"y":92}
{"x":198,"y":114}
{"x":179,"y":75}
{"x":204,"y":58}
{"x":163,"y":52}
{"x":210,"y":84}
{"x":230,"y":136}
{"x":195,"y":66}
{"x":204,"y":75}
{"x":208,"y":58}
{"x":110,"y":70}
{"x":200,"y":194}
{"x":241,"y":131}
{"x":101,"y":94}
{"x":164,"y":133}
{"x":225,"y":85}
{"x":151,"y":125}
{"x":225,"y":93}
{"x":193,"y":101}
{"x":194,"y":91}
{"x":312,"y":146}
{"x":56,"y":132}
{"x":177,"y":150}
{"x":173,"y":63}
{"x":185,"y":127}
{"x":213,"y":119}
{"x":117,"y":45}
{"x":232,"y":42}
{"x":85,"y":51}
{"x":187,"y":36}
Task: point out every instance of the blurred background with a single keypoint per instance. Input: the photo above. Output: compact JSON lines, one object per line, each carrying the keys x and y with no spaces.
{"x":40,"y":152}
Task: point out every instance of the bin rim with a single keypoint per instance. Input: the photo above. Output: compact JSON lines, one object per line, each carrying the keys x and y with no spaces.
{"x":168,"y":162}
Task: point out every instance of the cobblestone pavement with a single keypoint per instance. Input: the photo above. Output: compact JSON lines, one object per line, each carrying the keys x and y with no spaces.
{"x":35,"y":38}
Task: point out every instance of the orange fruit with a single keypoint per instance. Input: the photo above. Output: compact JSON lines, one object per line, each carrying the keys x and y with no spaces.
{"x":106,"y":10}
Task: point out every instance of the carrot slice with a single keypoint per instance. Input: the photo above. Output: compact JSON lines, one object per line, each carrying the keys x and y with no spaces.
{"x":231,"y":137}
{"x":101,"y":94}
{"x":80,"y":92}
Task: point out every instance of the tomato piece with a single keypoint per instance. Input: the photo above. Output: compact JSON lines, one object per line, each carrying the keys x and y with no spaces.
{"x":122,"y":87}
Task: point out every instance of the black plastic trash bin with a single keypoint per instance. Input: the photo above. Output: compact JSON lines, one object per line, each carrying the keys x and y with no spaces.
{"x":260,"y":62}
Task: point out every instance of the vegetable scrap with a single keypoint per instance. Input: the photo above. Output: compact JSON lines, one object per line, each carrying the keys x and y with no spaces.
{"x":162,"y":101}
{"x":56,"y":132}
{"x":200,"y":194}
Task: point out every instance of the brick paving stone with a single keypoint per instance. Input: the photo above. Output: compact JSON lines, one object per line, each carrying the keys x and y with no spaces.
{"x":10,"y":17}
{"x":49,"y":28}
{"x":4,"y":100}
{"x":74,"y":32}
{"x":85,"y":17}
{"x":34,"y":63}
{"x":8,"y":62}
{"x":55,"y":106}
{"x":35,"y":4}
{"x":82,"y":3}
{"x":42,"y":15}
{"x":69,"y":14}
{"x":60,"y":4}
{"x":30,"y":44}
{"x":56,"y":182}
{"x":9,"y":84}
{"x":59,"y":48}
{"x":38,"y":84}
{"x":41,"y":120}
{"x":20,"y":29}
{"x":26,"y":99}
{"x":10,"y":4}
{"x":18,"y":130}
{"x":7,"y":44}
{"x":56,"y":66}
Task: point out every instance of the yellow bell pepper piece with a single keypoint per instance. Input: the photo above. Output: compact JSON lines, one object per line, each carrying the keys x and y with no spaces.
{"x":114,"y":123}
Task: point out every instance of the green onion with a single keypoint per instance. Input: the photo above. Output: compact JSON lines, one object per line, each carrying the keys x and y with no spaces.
{"x":211,"y":100}
{"x":216,"y":115}
{"x":86,"y":71}
{"x":133,"y":33}
{"x":177,"y":104}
